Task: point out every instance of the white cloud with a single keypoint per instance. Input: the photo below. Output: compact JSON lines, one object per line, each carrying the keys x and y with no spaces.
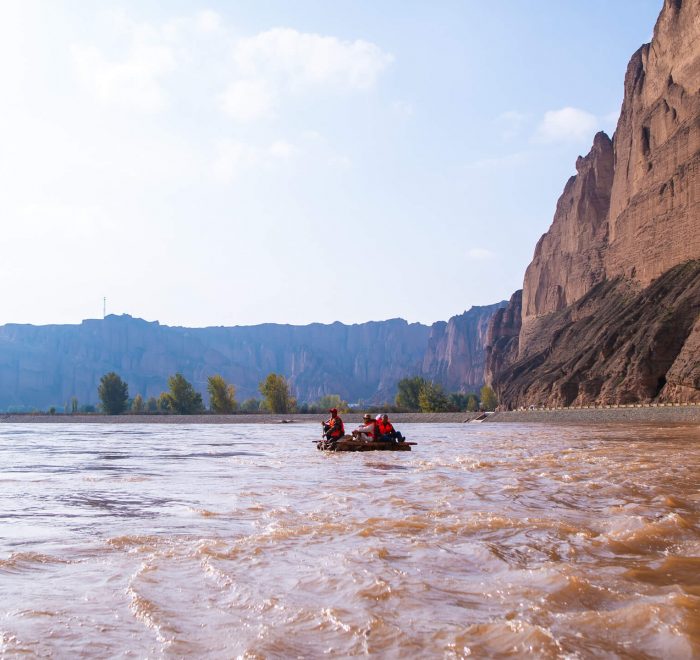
{"x":208,"y":21}
{"x":246,"y":100}
{"x":510,"y":123}
{"x":134,"y":81}
{"x":480,"y":254}
{"x":281,"y":149}
{"x":300,"y":60}
{"x":235,"y":158}
{"x":266,"y":68}
{"x":566,"y":125}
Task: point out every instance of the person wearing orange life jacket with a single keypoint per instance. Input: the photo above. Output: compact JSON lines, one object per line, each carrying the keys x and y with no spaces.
{"x":368,"y":430}
{"x":386,"y":429}
{"x":333,"y":428}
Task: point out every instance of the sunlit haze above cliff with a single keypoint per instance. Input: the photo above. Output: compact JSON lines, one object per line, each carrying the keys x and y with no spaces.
{"x":218,"y":163}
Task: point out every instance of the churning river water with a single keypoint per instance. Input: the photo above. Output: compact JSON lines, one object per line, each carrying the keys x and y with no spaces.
{"x":245,"y":541}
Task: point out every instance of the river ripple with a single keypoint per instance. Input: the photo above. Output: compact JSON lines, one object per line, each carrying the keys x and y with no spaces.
{"x":226,"y":541}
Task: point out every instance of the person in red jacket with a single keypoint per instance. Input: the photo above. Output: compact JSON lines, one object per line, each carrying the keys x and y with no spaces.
{"x":387,"y":431}
{"x":333,"y":428}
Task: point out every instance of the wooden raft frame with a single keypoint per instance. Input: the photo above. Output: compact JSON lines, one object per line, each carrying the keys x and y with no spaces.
{"x":349,"y":443}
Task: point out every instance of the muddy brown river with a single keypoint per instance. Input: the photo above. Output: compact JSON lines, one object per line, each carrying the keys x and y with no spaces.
{"x":244,"y":541}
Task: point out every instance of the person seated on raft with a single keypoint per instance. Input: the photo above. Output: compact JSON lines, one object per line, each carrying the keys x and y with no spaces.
{"x":367,"y":431}
{"x":387,"y":432}
{"x":333,"y":428}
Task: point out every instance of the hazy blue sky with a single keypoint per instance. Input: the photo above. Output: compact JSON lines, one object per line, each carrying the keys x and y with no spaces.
{"x":222,"y":163}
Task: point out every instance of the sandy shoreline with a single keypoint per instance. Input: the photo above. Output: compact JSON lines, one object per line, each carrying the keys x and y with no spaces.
{"x":683,"y":414}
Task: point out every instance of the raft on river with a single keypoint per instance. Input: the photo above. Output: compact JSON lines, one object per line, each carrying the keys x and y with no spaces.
{"x":350,"y":443}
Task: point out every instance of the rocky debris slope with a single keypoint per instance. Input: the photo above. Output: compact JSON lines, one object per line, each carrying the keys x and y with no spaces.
{"x":623,"y":224}
{"x":618,"y":344}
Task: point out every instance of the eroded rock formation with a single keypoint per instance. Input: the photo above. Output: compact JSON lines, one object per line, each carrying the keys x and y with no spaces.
{"x":655,"y":196}
{"x":455,"y":356}
{"x":48,"y":365}
{"x":568,"y":260}
{"x":603,"y":317}
{"x":502,"y":337}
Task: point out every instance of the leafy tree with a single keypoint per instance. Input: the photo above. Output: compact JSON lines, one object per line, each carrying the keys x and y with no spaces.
{"x":152,"y":404}
{"x":329,"y":401}
{"x":222,"y":396}
{"x":432,"y":398}
{"x":137,"y":405}
{"x":182,"y":397}
{"x":408,"y":390}
{"x":163,"y":403}
{"x":457,"y":401}
{"x":489,"y":401}
{"x":52,"y":410}
{"x":113,"y":393}
{"x":74,"y":405}
{"x":275,"y":390}
{"x":251,"y":405}
{"x":472,"y":403}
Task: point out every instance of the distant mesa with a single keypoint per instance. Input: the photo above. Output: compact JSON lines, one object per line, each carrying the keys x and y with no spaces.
{"x":42,"y":366}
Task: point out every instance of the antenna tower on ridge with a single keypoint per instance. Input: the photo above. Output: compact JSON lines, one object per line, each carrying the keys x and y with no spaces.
{"x":104,"y":307}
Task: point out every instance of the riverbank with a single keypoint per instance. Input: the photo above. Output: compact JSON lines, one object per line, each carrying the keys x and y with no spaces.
{"x":682,"y":414}
{"x":290,"y":418}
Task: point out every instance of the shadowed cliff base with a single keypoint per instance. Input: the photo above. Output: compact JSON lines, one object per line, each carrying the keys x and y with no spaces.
{"x":617,"y":344}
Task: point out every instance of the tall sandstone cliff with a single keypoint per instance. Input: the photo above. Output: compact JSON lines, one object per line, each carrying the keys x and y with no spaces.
{"x":611,"y":301}
{"x":42,"y":366}
{"x":455,"y":355}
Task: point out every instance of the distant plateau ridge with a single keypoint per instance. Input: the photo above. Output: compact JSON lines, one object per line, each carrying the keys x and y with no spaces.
{"x":41,"y":366}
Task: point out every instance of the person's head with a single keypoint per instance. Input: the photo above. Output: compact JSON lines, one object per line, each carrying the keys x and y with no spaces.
{"x":385,"y":417}
{"x":367,"y":417}
{"x":333,"y":412}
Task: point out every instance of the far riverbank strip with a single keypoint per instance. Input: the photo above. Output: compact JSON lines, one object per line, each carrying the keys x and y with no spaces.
{"x":288,"y":418}
{"x":668,"y":414}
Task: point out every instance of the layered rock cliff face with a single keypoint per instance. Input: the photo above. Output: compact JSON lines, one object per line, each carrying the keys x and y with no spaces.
{"x":502,"y":337}
{"x":568,"y":259}
{"x":624,"y":227}
{"x":47,"y":365}
{"x":655,"y":196}
{"x":455,"y":356}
